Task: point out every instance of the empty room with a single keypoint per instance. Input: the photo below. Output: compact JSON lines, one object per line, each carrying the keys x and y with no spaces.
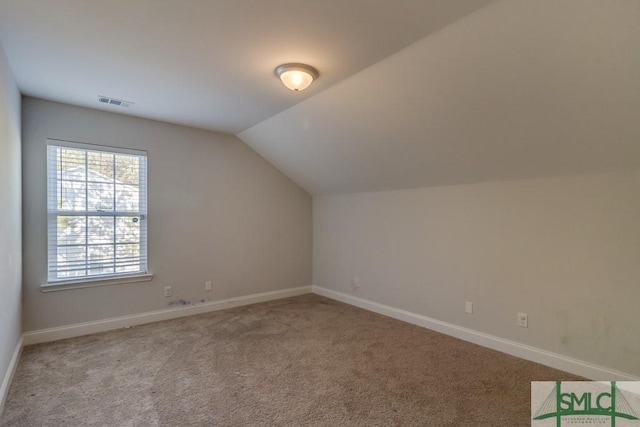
{"x":320,"y":213}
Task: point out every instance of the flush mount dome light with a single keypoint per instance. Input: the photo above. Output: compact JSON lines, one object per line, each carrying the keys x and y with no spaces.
{"x":296,"y":76}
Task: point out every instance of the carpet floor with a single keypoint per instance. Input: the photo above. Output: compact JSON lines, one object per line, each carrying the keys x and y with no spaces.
{"x":302,"y":361}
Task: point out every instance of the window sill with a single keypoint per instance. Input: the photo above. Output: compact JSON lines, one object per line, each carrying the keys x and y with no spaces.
{"x":91,"y":283}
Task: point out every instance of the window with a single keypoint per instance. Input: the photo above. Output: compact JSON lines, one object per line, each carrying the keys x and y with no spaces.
{"x":97,"y":210}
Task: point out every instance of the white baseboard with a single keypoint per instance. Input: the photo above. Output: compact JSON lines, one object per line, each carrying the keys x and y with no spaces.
{"x":8,"y":376}
{"x":547,"y":358}
{"x":79,"y":329}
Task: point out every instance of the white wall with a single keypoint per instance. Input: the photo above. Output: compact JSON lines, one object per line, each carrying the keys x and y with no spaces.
{"x":564,"y":250}
{"x":10,"y":219}
{"x":217,"y":211}
{"x":516,"y":90}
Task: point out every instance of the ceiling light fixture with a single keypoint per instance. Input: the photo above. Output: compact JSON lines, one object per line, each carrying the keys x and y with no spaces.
{"x":296,"y":76}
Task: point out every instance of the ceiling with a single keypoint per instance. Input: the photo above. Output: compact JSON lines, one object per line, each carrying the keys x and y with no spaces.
{"x":204,"y":63}
{"x":517,"y":89}
{"x":412,"y":93}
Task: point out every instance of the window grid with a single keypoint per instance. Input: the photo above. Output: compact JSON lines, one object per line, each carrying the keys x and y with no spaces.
{"x":97,"y":225}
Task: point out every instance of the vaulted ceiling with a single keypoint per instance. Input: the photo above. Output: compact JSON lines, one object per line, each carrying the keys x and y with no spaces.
{"x":518,"y":89}
{"x":412,"y":93}
{"x":204,"y":63}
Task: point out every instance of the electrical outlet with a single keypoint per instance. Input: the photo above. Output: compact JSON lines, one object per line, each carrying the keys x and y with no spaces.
{"x":468,"y":307}
{"x":523,"y":320}
{"x":167,"y":291}
{"x":207,"y":285}
{"x":356,"y":283}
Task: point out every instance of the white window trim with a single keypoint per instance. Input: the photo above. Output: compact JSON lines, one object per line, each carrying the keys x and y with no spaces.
{"x":102,"y":280}
{"x":94,"y":282}
{"x":95,"y":147}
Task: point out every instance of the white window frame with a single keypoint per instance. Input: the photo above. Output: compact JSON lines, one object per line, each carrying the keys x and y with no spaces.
{"x":55,"y":283}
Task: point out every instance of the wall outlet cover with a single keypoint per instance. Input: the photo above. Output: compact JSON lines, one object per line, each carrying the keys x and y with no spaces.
{"x":468,"y":307}
{"x":523,"y":320}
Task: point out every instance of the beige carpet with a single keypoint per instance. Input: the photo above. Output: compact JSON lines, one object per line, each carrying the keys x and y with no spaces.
{"x":303,"y":361}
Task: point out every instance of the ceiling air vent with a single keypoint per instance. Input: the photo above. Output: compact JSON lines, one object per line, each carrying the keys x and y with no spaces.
{"x":113,"y":101}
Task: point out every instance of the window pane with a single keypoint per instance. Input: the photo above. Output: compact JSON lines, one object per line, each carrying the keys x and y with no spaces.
{"x":127,"y":229}
{"x":100,"y":197}
{"x":88,"y":181}
{"x":129,"y":268}
{"x":76,"y":173}
{"x":71,"y":261}
{"x":71,"y":164}
{"x":127,"y":258}
{"x":71,"y":230}
{"x":101,"y":229}
{"x":127,"y":169}
{"x":101,"y":259}
{"x":72,"y":195}
{"x":100,"y":166}
{"x":127,"y":198}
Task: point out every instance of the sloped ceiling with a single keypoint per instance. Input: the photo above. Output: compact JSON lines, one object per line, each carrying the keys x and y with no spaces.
{"x":204,"y":63}
{"x":518,"y":89}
